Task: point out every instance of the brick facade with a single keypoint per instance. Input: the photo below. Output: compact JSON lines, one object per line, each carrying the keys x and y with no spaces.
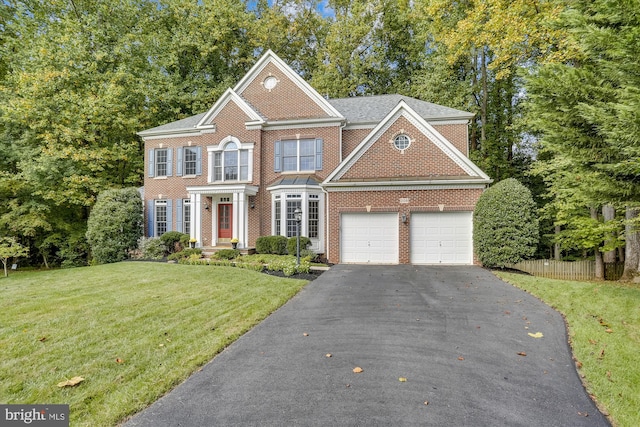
{"x":424,"y":175}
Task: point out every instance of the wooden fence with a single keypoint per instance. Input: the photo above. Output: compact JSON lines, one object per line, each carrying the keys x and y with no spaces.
{"x":568,"y":270}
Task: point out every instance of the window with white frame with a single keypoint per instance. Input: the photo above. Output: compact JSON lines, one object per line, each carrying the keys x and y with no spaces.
{"x":284,"y":205}
{"x":298,"y":155}
{"x":294,"y":201}
{"x":161,"y":161}
{"x":186,"y":216}
{"x":313,"y":216}
{"x":160,"y":216}
{"x":277,"y":216}
{"x":231,"y":164}
{"x":190,"y":160}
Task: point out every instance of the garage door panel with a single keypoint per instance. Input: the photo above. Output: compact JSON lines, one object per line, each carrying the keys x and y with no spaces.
{"x":441,"y":238}
{"x":369,"y":238}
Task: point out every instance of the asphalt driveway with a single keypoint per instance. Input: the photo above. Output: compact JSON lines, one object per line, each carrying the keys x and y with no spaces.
{"x":458,"y":335}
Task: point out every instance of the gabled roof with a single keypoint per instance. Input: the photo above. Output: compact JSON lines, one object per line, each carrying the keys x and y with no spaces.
{"x":475,"y":174}
{"x":271,"y":58}
{"x":227,"y":96}
{"x":184,"y":125}
{"x":373,"y":109}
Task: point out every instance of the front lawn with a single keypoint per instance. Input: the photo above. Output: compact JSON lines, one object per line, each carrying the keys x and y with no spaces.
{"x":604,"y":329}
{"x":132,"y":330}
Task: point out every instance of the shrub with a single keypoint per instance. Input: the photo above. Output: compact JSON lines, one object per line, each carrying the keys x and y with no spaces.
{"x":276,"y":245}
{"x":227,"y":254}
{"x":151,"y":248}
{"x":255,"y":266}
{"x":185,"y":253}
{"x":305,"y":242}
{"x":505,"y":225}
{"x":173,"y":240}
{"x":115,"y":224}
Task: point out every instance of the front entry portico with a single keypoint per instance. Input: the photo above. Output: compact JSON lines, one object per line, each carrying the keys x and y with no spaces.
{"x":220,"y":213}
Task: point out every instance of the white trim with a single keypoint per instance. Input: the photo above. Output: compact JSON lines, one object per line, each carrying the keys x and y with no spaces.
{"x":176,"y":133}
{"x":302,"y":123}
{"x":229,"y":95}
{"x":403,"y":110}
{"x":207,"y":190}
{"x":271,"y":58}
{"x":409,"y":185}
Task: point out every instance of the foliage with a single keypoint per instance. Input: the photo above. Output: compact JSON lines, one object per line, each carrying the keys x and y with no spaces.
{"x":585,"y":114}
{"x":115,"y":225}
{"x":505,"y":225}
{"x":151,"y":248}
{"x":175,"y":241}
{"x":227,"y":254}
{"x":10,"y":248}
{"x":276,"y":245}
{"x":292,"y":244}
{"x":185,"y":253}
{"x":608,"y":360}
{"x":158,"y":319}
{"x":255,"y":266}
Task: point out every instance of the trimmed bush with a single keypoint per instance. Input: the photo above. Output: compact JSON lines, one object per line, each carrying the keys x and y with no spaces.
{"x":151,"y":248}
{"x":227,"y":254}
{"x":505,"y":224}
{"x":173,"y":240}
{"x":185,"y":253}
{"x":305,"y":242}
{"x":115,"y":225}
{"x":276,"y":245}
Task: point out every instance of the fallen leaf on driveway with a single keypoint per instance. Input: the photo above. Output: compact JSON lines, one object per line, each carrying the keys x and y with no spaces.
{"x":426,"y":402}
{"x":521,"y":353}
{"x":402,"y":379}
{"x":460,"y":358}
{"x":536,"y":335}
{"x":328,"y":355}
{"x":357,"y":370}
{"x":305,"y":334}
{"x":72,"y":382}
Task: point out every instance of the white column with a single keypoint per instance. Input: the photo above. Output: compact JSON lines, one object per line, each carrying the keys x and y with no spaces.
{"x":239,"y":221}
{"x":196,"y":218}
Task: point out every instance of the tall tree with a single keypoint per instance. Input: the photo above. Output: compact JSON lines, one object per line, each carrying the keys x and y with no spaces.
{"x":587,"y":114}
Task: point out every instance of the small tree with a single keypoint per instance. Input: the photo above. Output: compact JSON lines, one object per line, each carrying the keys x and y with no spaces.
{"x":10,"y":248}
{"x":505,"y":224}
{"x":115,"y":224}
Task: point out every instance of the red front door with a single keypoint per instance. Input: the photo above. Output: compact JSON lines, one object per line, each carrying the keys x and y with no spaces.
{"x":224,"y":221}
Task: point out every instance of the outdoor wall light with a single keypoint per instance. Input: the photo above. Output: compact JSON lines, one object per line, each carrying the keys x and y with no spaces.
{"x":403,"y":217}
{"x":253,"y":205}
{"x":206,"y":206}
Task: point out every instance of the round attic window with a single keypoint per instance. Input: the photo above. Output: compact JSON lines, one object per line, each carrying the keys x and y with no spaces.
{"x":270,"y":82}
{"x":401,"y":142}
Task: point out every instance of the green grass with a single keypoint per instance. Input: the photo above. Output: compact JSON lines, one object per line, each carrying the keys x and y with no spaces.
{"x":604,"y":329}
{"x":132,"y":330}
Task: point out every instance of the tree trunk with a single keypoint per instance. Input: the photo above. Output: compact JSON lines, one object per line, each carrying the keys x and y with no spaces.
{"x":609,"y":214}
{"x":632,"y":250}
{"x":598,"y":254}
{"x":556,"y":247}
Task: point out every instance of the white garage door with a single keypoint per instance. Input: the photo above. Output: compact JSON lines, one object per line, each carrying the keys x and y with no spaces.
{"x":369,"y":238}
{"x":441,"y":238}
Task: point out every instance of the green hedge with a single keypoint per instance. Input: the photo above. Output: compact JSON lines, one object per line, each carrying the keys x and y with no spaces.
{"x":305,"y":242}
{"x":276,"y":245}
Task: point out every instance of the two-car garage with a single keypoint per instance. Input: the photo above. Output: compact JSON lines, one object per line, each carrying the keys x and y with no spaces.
{"x":434,"y":237}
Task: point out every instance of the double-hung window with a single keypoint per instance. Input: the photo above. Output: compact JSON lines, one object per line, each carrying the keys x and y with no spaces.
{"x":298,"y":155}
{"x":160,"y":162}
{"x":190,"y":160}
{"x":161,"y":216}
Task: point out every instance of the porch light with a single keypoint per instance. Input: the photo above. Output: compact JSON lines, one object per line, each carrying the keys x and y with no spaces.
{"x":297,"y":215}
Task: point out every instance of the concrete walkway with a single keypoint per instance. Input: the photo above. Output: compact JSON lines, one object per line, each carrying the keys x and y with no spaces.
{"x":458,"y":335}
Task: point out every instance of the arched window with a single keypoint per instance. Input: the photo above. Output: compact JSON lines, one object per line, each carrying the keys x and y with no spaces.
{"x":231,"y":164}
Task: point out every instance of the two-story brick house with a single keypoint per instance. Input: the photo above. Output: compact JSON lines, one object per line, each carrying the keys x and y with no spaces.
{"x":380,"y":179}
